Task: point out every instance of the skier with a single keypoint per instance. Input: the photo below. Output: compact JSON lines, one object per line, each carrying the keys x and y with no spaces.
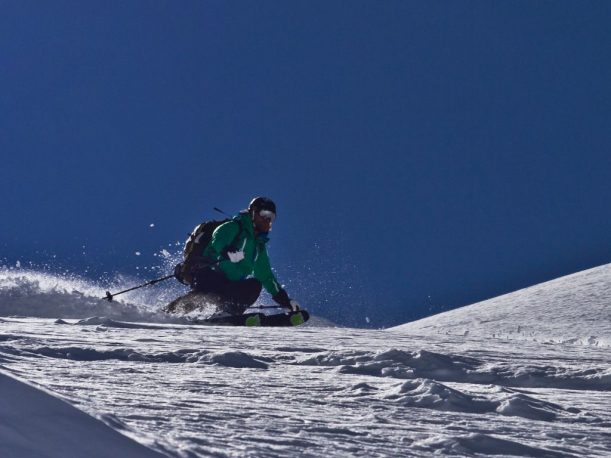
{"x":234,"y":266}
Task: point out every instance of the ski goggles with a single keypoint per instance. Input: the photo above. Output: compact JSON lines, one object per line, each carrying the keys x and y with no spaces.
{"x":268,"y":215}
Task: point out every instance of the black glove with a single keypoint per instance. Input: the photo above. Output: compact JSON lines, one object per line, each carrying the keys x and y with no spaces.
{"x":178,"y":273}
{"x":283,"y":299}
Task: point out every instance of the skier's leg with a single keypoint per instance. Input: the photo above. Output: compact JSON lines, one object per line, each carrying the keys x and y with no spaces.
{"x":239,"y":295}
{"x":235,"y":296}
{"x":207,"y":285}
{"x":209,"y":281}
{"x":186,"y":303}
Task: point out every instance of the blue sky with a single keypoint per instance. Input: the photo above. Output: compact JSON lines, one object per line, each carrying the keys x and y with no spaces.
{"x":423,"y":155}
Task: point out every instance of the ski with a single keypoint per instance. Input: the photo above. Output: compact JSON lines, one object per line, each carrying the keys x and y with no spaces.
{"x":258,"y":319}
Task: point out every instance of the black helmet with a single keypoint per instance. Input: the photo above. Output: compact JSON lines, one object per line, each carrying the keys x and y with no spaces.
{"x":262,"y":203}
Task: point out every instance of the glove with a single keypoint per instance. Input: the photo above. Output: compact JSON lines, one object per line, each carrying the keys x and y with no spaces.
{"x":282,"y":298}
{"x":294,"y":305}
{"x":178,"y":274}
{"x":235,"y":256}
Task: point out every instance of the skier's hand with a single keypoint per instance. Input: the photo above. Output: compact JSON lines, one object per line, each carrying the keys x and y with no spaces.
{"x":283,"y":299}
{"x":178,"y":273}
{"x":294,"y":305}
{"x":235,"y":256}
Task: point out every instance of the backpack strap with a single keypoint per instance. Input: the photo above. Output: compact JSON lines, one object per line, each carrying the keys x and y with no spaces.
{"x":237,"y":236}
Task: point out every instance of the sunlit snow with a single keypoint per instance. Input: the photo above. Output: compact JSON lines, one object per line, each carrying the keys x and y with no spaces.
{"x":525,"y":374}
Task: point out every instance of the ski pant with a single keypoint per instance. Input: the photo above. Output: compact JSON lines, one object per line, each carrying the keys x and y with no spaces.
{"x":234,"y":296}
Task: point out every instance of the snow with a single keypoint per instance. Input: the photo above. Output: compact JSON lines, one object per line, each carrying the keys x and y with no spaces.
{"x":525,"y":374}
{"x":575,"y":309}
{"x":35,"y":423}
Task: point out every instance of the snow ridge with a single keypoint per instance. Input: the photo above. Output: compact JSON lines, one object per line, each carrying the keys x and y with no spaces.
{"x":460,"y":369}
{"x":27,"y":432}
{"x":575,"y":309}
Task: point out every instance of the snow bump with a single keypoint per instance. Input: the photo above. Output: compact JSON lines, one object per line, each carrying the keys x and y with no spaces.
{"x":479,"y":443}
{"x":236,"y":359}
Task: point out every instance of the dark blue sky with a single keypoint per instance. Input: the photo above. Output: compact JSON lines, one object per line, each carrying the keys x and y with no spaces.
{"x":423,"y":155}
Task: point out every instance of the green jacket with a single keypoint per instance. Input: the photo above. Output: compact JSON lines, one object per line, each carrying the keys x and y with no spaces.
{"x":256,"y":260}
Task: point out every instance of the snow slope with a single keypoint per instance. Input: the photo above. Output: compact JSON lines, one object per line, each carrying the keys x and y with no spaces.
{"x":575,"y":309}
{"x":35,"y":423}
{"x":458,"y":389}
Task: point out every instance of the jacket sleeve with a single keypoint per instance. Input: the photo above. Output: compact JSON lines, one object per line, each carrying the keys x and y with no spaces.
{"x":222,"y":237}
{"x":263,"y":272}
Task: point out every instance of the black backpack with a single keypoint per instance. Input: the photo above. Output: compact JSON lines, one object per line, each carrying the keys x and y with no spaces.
{"x":196,"y":243}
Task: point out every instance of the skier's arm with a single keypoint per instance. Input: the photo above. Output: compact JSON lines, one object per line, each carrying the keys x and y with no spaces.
{"x":263,"y":273}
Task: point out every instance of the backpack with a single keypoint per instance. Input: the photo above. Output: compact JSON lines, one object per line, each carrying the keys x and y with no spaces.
{"x":196,"y":243}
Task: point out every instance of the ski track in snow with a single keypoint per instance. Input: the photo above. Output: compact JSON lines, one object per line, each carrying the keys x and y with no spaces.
{"x":419,"y":389}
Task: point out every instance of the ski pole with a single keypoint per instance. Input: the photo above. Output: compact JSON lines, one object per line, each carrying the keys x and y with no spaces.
{"x":269,"y":307}
{"x":109,"y":296}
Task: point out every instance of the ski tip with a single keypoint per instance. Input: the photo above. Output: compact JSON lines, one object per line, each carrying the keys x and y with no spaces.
{"x":254,"y":320}
{"x":298,"y":318}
